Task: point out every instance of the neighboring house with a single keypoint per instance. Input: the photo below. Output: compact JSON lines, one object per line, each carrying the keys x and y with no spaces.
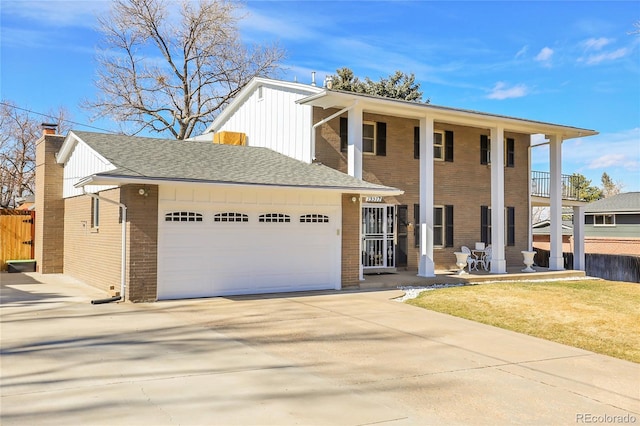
{"x":612,"y":225}
{"x":442,"y":158}
{"x":542,"y":239}
{"x":163,"y":219}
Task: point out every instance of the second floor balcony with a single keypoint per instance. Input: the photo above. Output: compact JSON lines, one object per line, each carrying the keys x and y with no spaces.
{"x":541,"y":184}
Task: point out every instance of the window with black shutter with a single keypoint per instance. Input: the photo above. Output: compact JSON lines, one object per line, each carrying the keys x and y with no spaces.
{"x":511,"y":226}
{"x":381,"y":139}
{"x":344,"y":131}
{"x":485,"y":224}
{"x":510,"y":152}
{"x":448,"y":146}
{"x":484,"y":150}
{"x":448,"y":216}
{"x":416,"y":227}
{"x":442,"y":145}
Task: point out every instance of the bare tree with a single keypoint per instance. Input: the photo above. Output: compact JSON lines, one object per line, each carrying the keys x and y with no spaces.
{"x":19,"y":131}
{"x":172,"y":71}
{"x":609,"y":187}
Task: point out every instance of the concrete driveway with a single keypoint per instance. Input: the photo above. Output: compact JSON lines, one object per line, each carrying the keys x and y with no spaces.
{"x":350,"y":358}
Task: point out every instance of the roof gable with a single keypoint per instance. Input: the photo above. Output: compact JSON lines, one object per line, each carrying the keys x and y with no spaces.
{"x":250,"y":88}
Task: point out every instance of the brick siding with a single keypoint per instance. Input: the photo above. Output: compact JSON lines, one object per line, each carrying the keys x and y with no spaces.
{"x":350,"y":240}
{"x":464,"y":183}
{"x":49,"y":226}
{"x":94,"y":255}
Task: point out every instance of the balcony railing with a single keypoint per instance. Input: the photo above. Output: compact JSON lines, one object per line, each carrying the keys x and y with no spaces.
{"x":541,"y":183}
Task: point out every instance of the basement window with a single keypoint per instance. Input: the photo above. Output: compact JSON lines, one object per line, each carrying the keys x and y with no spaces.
{"x":183,"y":217}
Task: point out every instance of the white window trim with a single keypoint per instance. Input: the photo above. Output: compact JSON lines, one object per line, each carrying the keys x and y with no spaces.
{"x":603,"y":215}
{"x":441,"y":145}
{"x":375,"y":137}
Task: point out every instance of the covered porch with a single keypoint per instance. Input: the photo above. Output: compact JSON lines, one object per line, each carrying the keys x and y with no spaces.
{"x":409,"y":277}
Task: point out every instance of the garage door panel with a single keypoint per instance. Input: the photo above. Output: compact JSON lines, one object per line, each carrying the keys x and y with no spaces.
{"x":208,"y":258}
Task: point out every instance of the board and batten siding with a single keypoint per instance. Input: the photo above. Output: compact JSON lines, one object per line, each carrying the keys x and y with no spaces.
{"x":275,"y":121}
{"x":83,"y":162}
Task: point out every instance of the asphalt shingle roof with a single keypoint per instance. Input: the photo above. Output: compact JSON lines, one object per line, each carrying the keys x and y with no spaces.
{"x":170,"y":159}
{"x":625,"y":202}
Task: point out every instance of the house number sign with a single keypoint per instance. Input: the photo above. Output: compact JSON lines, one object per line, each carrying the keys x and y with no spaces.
{"x":373,"y":199}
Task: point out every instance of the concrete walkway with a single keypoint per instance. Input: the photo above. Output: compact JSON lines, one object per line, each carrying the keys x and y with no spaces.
{"x":323,"y":358}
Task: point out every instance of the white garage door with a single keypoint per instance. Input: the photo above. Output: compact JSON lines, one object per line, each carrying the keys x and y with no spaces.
{"x":227,"y":250}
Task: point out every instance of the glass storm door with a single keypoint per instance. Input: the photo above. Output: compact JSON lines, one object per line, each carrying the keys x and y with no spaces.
{"x":378,"y":248}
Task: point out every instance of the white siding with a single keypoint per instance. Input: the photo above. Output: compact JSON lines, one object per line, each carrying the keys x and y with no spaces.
{"x":275,"y":121}
{"x":83,"y":162}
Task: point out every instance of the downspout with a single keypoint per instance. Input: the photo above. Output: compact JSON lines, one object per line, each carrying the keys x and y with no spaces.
{"x":123,"y":266}
{"x":320,"y":123}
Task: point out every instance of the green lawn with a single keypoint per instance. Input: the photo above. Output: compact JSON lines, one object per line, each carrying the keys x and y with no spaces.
{"x":597,"y":315}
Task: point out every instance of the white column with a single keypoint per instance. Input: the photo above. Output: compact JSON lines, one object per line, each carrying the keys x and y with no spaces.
{"x":498,"y":240}
{"x":354,"y":144}
{"x":426,"y":265}
{"x":556,"y":261}
{"x":578,"y":238}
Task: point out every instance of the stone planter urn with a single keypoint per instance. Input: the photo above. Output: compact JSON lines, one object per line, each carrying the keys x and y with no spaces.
{"x":528,"y":260}
{"x":461,"y":262}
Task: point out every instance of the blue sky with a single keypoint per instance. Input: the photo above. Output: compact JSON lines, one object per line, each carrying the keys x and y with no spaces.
{"x":564,"y":62}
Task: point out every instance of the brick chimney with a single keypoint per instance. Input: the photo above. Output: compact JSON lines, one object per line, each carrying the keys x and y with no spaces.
{"x":49,"y":128}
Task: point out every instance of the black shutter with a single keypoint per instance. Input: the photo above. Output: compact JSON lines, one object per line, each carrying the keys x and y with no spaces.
{"x":485,"y":221}
{"x":484,"y":149}
{"x":381,"y":142}
{"x":344,"y":133}
{"x":416,"y":142}
{"x":511,"y":155}
{"x":448,"y":146}
{"x":511,"y":226}
{"x":448,"y":215}
{"x":416,"y":226}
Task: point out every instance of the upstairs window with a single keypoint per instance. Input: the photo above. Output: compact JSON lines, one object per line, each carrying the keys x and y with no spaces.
{"x":374,"y":137}
{"x":442,"y":144}
{"x":509,"y":151}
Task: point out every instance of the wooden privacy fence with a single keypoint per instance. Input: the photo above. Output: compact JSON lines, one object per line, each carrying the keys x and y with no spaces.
{"x":17,"y":231}
{"x":614,"y":267}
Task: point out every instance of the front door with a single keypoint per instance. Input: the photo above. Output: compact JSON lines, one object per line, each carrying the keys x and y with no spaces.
{"x":378,"y":230}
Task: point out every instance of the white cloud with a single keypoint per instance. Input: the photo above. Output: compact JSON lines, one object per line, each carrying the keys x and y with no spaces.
{"x":544,"y":55}
{"x":615,"y":160}
{"x":596,"y":43}
{"x":58,"y":13}
{"x":502,"y":91}
{"x":522,"y":51}
{"x":604,"y":57}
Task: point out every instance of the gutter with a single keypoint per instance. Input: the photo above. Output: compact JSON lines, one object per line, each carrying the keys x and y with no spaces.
{"x":123,"y":260}
{"x":321,"y":122}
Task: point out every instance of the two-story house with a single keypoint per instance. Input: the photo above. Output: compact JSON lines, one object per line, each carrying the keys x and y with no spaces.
{"x":465,"y":174}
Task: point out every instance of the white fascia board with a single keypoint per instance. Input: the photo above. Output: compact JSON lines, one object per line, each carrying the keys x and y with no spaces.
{"x":406,"y":109}
{"x":249,"y":89}
{"x":125,"y":180}
{"x":69,"y":145}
